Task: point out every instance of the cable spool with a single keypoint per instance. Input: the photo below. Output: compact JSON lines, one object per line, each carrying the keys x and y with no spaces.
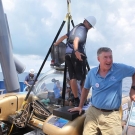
{"x":58,"y":52}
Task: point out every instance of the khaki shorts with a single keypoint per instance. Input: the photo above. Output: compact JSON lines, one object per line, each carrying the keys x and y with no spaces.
{"x":109,"y":123}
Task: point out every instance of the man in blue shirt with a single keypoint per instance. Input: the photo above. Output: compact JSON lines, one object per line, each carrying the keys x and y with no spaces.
{"x":75,"y":57}
{"x":106,"y":83}
{"x":57,"y":90}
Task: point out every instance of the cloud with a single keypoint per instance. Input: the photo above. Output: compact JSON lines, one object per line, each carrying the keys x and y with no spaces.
{"x":9,"y":5}
{"x":33,"y":61}
{"x":34,"y":24}
{"x":111,"y":18}
{"x":95,"y":36}
{"x":29,"y":34}
{"x":111,"y":1}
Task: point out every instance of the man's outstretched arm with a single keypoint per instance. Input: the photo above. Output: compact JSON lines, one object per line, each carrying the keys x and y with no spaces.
{"x":60,"y":40}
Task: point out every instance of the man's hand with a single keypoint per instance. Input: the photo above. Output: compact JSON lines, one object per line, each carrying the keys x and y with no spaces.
{"x":78,"y":55}
{"x":132,"y":94}
{"x":28,"y":85}
{"x":79,"y":109}
{"x":55,"y":44}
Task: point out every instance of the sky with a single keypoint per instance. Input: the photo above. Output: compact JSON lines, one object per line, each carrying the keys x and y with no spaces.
{"x":34,"y":24}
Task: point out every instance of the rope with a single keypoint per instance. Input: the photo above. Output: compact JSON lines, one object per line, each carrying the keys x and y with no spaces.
{"x":11,"y":129}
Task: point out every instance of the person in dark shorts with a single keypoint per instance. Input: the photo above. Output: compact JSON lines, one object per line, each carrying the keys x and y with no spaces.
{"x":75,"y":56}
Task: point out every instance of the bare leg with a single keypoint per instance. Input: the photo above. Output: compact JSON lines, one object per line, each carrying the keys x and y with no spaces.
{"x":82,"y":84}
{"x":74,"y":87}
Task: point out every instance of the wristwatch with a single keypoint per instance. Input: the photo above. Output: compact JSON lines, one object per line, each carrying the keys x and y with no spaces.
{"x":75,"y":50}
{"x":133,"y":87}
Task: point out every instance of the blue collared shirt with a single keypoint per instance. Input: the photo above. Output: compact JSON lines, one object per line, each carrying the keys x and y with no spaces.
{"x":56,"y":91}
{"x":107,"y":91}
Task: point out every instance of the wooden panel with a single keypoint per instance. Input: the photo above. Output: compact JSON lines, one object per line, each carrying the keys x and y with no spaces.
{"x":8,"y":105}
{"x":12,"y":102}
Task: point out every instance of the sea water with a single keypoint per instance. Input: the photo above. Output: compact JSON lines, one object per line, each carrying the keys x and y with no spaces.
{"x":126,"y":85}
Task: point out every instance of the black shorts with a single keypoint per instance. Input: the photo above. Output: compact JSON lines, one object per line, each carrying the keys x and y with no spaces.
{"x":76,"y":68}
